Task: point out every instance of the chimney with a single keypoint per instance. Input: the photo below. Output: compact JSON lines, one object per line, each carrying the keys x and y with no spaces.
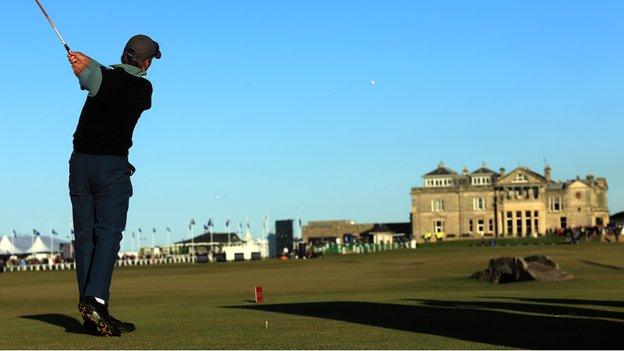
{"x":502,"y":172}
{"x":590,"y":178}
{"x":548,"y":172}
{"x":465,"y":171}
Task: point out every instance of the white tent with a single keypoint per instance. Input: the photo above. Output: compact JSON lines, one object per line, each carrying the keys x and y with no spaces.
{"x":7,"y":247}
{"x":39,"y":246}
{"x":248,"y":237}
{"x":246,"y":247}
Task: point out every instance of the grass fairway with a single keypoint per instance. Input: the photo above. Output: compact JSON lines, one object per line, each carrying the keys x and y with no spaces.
{"x":392,"y":300}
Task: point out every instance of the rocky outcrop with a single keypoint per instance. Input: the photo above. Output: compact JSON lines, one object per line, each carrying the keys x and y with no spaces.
{"x":516,"y":269}
{"x":543,"y":260}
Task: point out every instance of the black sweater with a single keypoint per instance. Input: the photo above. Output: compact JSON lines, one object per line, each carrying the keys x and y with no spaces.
{"x":108,"y":119}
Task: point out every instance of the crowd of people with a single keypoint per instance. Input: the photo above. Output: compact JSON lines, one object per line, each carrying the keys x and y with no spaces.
{"x":582,"y":233}
{"x":29,"y":261}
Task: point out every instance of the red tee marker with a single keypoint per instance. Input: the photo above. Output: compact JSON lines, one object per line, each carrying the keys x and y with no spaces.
{"x":258,"y":294}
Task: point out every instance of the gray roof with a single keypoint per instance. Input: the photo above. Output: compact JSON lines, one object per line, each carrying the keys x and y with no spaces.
{"x":216,"y":237}
{"x":484,"y":170}
{"x":441,"y":170}
{"x":381,"y":228}
{"x":556,"y":186}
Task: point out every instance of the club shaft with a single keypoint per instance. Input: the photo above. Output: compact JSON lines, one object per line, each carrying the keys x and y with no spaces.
{"x":53,"y":25}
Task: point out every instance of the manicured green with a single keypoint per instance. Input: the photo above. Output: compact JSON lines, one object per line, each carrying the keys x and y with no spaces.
{"x":406,"y":299}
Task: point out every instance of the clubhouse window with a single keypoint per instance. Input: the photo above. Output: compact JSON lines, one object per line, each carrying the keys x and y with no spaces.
{"x":481,"y":181}
{"x":555,"y":204}
{"x":437,"y":205}
{"x":520,"y":178}
{"x":478,"y":204}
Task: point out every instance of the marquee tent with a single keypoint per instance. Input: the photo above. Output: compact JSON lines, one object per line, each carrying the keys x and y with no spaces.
{"x":39,"y":246}
{"x":7,"y":247}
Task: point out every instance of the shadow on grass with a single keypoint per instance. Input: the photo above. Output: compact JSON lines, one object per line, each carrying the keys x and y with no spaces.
{"x":606,"y":303}
{"x":468,"y":321}
{"x":556,"y":311}
{"x":602,"y":265}
{"x":71,"y":325}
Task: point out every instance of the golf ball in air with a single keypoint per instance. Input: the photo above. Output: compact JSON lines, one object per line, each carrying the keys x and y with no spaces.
{"x":373,"y":82}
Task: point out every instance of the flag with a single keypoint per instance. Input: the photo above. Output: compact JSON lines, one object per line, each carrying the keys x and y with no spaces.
{"x":205,"y":227}
{"x":154,"y":230}
{"x":210,"y":225}
{"x":169,"y":229}
{"x":192,"y":223}
{"x":227,"y":223}
{"x":54,"y":232}
{"x":140,"y":231}
{"x":36,"y":232}
{"x":14,"y":233}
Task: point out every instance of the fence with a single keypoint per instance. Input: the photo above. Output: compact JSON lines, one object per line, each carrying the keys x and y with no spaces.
{"x":177,"y":259}
{"x":361,"y":248}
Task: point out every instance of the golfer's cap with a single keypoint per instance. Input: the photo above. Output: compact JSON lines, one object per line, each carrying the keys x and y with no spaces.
{"x":142,"y":47}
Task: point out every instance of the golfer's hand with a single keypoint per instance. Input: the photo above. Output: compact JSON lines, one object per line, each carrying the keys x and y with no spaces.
{"x":78,"y":61}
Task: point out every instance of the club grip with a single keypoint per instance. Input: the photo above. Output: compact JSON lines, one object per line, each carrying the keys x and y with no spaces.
{"x":67,"y":48}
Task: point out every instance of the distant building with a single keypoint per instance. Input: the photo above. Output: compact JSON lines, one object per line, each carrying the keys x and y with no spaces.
{"x":346,"y":231}
{"x":215,"y":238}
{"x":230,"y":245}
{"x":522,"y":202}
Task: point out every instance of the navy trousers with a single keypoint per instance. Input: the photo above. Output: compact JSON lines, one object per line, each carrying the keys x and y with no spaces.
{"x":100,"y":191}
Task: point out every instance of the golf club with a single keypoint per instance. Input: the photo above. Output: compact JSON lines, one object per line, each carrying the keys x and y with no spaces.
{"x":53,"y":25}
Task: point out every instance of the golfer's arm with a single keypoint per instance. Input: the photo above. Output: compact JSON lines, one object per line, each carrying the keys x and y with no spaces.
{"x":91,"y":78}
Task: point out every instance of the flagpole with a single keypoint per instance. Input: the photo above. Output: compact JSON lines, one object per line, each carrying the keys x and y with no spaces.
{"x":227,"y":228}
{"x":210,"y":231}
{"x":192,"y":238}
{"x":168,"y":241}
{"x":139,"y":241}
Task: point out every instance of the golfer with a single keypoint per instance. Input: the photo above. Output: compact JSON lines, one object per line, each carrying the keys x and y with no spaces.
{"x":99,"y":172}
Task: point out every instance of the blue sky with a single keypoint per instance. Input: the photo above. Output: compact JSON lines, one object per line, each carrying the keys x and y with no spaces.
{"x":267,"y":106}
